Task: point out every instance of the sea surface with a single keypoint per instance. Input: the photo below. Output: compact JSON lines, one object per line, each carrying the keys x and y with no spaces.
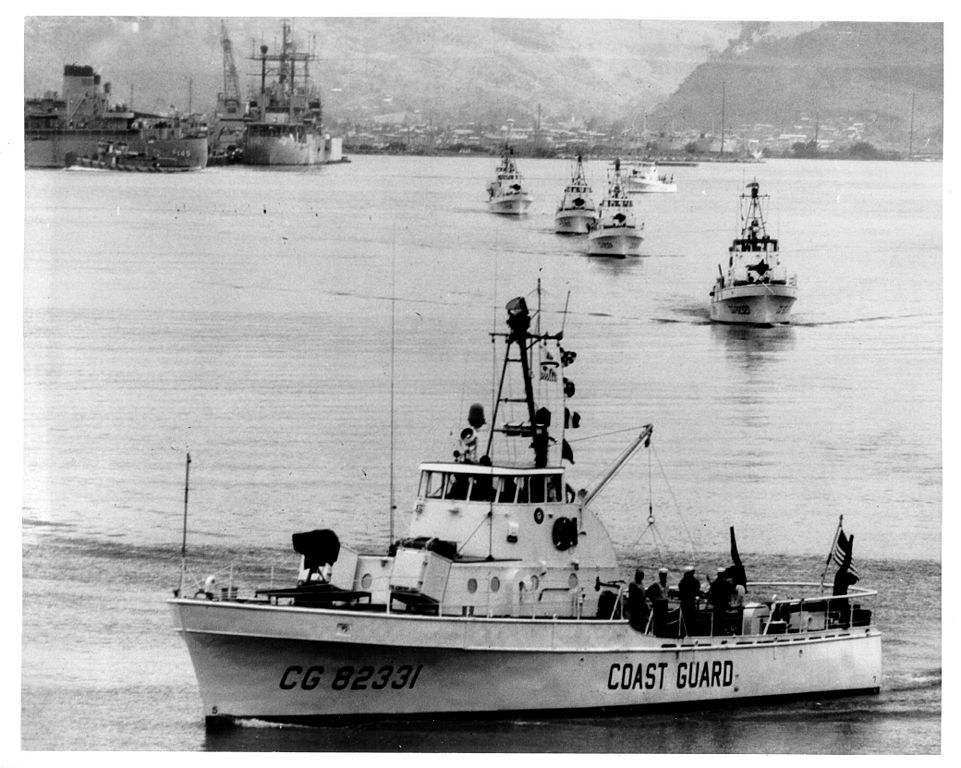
{"x":267,"y":320}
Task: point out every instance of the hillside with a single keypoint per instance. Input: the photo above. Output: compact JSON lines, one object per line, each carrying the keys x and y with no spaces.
{"x":616,"y":73}
{"x":449,"y":69}
{"x":854,"y":72}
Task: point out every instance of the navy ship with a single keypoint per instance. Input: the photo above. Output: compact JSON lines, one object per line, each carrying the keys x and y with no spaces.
{"x":284,"y":124}
{"x":62,"y":128}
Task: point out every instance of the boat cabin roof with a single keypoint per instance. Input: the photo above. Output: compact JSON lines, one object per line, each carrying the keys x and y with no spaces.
{"x":463,"y":468}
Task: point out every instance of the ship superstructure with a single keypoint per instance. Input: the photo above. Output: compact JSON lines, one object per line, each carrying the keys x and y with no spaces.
{"x":60,"y":128}
{"x":285,"y":123}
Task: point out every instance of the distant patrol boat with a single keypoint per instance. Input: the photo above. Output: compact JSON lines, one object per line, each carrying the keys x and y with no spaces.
{"x":756,"y":289}
{"x":506,"y":596}
{"x":576,"y":214}
{"x":616,"y":233}
{"x":506,"y":193}
{"x":647,"y":179}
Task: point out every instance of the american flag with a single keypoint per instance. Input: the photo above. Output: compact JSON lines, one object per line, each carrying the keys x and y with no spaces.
{"x":842,"y":547}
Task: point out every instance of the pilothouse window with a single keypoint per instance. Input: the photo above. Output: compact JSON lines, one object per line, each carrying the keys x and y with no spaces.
{"x":536,"y":485}
{"x":482,"y":488}
{"x":458,"y":487}
{"x":432,"y":485}
{"x":522,"y":490}
{"x":553,"y":487}
{"x":504,"y":489}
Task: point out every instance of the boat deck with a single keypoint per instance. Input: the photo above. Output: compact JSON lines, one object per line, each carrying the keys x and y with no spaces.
{"x":760,"y":619}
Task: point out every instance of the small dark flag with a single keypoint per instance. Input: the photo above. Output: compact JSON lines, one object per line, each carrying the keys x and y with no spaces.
{"x":566,"y":452}
{"x":842,"y":551}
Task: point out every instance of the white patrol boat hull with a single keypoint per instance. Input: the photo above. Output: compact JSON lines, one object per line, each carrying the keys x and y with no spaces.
{"x":638,"y":186}
{"x":574,"y":221}
{"x":288,"y":663}
{"x":515,"y":204}
{"x":753,"y":304}
{"x":618,"y":242}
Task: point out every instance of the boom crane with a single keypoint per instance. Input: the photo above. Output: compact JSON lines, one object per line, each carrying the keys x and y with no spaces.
{"x":231,"y":95}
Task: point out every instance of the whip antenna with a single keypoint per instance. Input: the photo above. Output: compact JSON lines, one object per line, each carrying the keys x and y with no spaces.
{"x":393,"y":305}
{"x":567,"y":302}
{"x":183,"y":545}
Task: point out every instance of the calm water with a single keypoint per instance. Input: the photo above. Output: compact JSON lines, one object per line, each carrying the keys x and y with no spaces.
{"x":245,"y":315}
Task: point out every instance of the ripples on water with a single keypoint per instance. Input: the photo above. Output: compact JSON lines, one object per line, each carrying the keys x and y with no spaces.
{"x":246,"y":315}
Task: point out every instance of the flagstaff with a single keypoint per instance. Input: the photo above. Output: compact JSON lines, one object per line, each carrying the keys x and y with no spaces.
{"x":183,"y":545}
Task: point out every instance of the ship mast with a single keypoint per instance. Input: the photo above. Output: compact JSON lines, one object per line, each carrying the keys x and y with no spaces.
{"x":288,"y":66}
{"x":285,"y":95}
{"x":754,"y":211}
{"x":911,"y":132}
{"x":538,"y":421}
{"x":723,"y":106}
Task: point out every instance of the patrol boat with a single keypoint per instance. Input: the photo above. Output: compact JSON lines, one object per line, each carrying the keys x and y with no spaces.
{"x":616,"y":233}
{"x":756,"y":289}
{"x":506,"y":596}
{"x":647,"y":179}
{"x":506,"y":193}
{"x":576,"y":214}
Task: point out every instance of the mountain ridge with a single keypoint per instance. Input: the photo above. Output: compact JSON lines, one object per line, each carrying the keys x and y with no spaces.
{"x":618,"y":74}
{"x":863,"y":72}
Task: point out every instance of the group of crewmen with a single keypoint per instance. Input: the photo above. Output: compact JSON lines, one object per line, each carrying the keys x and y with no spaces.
{"x":651,"y":607}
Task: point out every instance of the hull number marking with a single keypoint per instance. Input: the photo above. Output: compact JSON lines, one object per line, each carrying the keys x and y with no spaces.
{"x":352,"y":678}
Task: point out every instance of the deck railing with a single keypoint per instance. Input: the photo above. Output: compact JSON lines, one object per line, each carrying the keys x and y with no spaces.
{"x":770,"y":607}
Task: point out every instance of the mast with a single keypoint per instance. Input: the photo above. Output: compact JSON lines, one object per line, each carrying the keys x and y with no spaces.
{"x":538,"y":421}
{"x":723,"y":107}
{"x":393,"y":304}
{"x":183,"y":545}
{"x":263,"y":82}
{"x":291,"y":91}
{"x":911,"y":132}
{"x":288,"y":69}
{"x":537,"y":129}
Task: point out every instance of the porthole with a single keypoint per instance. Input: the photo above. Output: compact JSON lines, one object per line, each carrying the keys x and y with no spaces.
{"x":564,"y":533}
{"x":366,"y":580}
{"x":495,"y":584}
{"x":572,"y":580}
{"x":472,"y":585}
{"x":538,"y":515}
